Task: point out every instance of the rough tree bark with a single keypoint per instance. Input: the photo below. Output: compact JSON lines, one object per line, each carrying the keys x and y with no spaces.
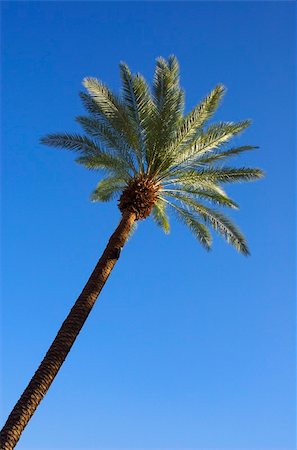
{"x":54,"y":358}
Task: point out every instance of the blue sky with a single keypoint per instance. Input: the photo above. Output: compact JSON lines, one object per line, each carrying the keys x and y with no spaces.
{"x":185,"y":349}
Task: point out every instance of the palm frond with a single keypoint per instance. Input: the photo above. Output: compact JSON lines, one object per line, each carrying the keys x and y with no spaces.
{"x":131,"y":102}
{"x":226,"y":228}
{"x":218,"y":221}
{"x":105,"y":161}
{"x":212,"y":195}
{"x":108,"y":136}
{"x":215,"y":175}
{"x":226,"y":154}
{"x":103,"y":103}
{"x":198,"y":229}
{"x":160,"y":216}
{"x":99,"y":130}
{"x":213,"y":137}
{"x":146,"y":114}
{"x":189,"y":183}
{"x":93,"y":157}
{"x":105,"y":99}
{"x":169,"y":101}
{"x":74,"y":142}
{"x":197,"y":118}
{"x":107,"y":189}
{"x":142,"y":111}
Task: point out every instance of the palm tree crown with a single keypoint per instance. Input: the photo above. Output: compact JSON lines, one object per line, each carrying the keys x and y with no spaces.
{"x":156,"y":158}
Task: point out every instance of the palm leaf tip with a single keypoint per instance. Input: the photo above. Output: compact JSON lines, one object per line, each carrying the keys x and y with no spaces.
{"x":47,"y":140}
{"x":90,"y":83}
{"x":244,"y":250}
{"x":218,"y":93}
{"x":220,"y":87}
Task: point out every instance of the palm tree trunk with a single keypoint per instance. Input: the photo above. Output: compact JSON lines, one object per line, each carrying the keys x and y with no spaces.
{"x":53,"y":360}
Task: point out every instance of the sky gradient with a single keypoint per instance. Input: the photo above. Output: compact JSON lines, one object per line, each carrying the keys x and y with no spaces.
{"x":185,"y":349}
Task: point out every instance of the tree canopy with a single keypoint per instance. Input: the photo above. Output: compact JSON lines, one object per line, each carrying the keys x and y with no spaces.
{"x":143,"y":133}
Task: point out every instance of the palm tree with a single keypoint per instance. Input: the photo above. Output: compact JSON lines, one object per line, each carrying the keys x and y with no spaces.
{"x":155,"y":159}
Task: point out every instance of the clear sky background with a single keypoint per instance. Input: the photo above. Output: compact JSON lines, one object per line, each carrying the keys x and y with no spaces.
{"x":185,"y":349}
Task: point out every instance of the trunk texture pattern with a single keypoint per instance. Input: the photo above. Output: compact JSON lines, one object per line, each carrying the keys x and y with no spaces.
{"x":54,"y":358}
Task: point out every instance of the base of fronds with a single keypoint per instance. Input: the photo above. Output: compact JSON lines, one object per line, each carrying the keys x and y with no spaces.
{"x":139,"y":197}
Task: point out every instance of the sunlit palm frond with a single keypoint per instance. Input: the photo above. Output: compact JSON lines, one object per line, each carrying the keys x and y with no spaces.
{"x":92,"y":156}
{"x":73,"y":142}
{"x":169,"y":101}
{"x":219,"y":156}
{"x":212,"y":138}
{"x":107,"y":162}
{"x":214,"y":175}
{"x":107,"y":189}
{"x":100,"y":130}
{"x":160,"y":216}
{"x":195,"y":119}
{"x":189,"y":219}
{"x":205,"y":193}
{"x":218,"y":221}
{"x":140,"y":107}
{"x":130,"y":102}
{"x":105,"y":99}
{"x":103,"y":103}
{"x":108,"y":136}
{"x":167,"y":94}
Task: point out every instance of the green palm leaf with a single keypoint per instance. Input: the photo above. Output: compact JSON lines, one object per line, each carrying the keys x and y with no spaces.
{"x":169,"y":100}
{"x":197,"y":118}
{"x":107,"y":189}
{"x":92,"y":156}
{"x":141,"y":109}
{"x":160,"y":216}
{"x":213,"y":137}
{"x":212,"y":195}
{"x":74,"y":142}
{"x":218,"y":175}
{"x":100,"y":130}
{"x":106,"y":162}
{"x":108,"y":136}
{"x":199,"y":230}
{"x":226,"y":154}
{"x":218,"y":221}
{"x":103,"y":103}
